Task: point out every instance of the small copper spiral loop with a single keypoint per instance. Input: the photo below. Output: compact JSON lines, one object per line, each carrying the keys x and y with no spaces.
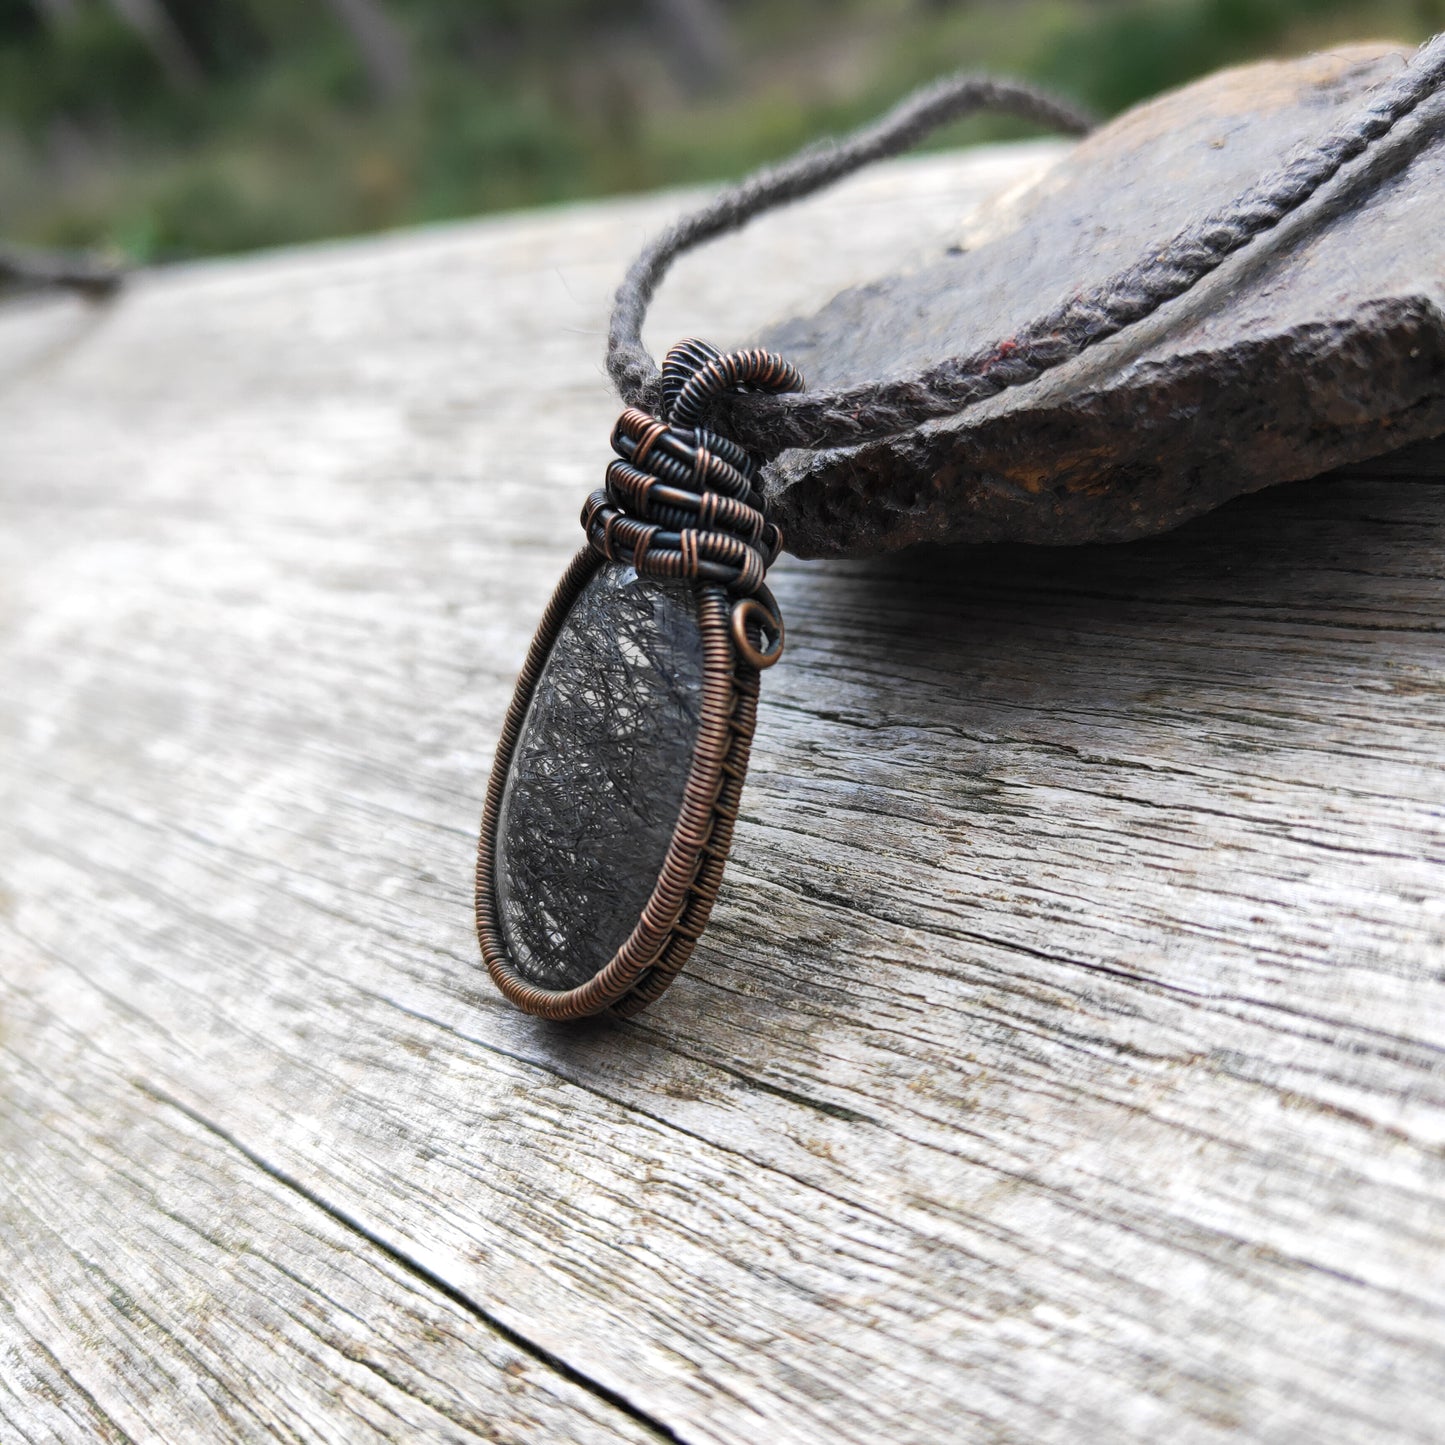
{"x":681,"y":500}
{"x":754,"y":621}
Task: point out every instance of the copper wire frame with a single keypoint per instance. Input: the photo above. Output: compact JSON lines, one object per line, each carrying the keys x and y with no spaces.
{"x":687,"y":885}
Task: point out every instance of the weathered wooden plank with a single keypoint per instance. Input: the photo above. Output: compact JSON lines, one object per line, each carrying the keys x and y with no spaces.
{"x":1065,"y":1060}
{"x":168,"y":1288}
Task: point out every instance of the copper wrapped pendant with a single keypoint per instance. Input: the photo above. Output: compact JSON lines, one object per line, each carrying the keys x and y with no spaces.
{"x":620,"y":766}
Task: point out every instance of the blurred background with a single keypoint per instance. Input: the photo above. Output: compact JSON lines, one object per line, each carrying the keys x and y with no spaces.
{"x":166,"y":129}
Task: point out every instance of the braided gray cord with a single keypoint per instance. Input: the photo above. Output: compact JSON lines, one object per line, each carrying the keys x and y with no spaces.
{"x":821,"y":419}
{"x":27,"y":266}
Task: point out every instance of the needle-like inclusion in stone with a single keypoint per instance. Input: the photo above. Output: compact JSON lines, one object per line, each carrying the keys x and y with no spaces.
{"x":597,"y":776}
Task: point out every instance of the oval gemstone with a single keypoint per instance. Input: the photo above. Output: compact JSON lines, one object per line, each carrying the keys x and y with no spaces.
{"x":596,"y":781}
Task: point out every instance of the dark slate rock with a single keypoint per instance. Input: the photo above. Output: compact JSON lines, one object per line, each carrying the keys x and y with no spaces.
{"x":1320,"y":345}
{"x":597,"y":777}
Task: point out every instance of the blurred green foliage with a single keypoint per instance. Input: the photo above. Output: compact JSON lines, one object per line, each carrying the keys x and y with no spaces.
{"x":282,"y":126}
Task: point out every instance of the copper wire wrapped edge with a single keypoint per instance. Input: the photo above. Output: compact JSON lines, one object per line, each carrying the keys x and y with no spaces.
{"x":692,"y":869}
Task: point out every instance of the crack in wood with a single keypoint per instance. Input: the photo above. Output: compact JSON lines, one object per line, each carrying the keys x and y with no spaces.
{"x":416,"y":1268}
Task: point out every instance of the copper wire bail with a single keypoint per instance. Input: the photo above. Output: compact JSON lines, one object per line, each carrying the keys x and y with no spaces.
{"x":683,"y":501}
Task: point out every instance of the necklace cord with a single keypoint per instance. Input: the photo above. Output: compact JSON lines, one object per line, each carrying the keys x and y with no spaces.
{"x":817,"y":420}
{"x":89,"y":275}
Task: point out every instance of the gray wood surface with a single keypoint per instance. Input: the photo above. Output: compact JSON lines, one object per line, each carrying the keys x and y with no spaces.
{"x":1067,"y":1057}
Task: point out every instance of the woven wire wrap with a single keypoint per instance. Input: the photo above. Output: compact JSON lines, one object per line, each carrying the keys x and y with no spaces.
{"x":680,"y":500}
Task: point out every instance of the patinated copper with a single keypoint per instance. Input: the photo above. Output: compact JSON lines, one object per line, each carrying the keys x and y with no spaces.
{"x":680,"y":502}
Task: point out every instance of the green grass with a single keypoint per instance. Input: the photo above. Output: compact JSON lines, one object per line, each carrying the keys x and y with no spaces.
{"x":525,"y":104}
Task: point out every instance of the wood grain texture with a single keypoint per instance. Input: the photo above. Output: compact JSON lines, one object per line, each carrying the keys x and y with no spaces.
{"x":1066,"y":1059}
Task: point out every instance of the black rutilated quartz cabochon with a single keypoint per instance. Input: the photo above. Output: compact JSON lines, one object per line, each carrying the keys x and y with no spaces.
{"x":596,"y":781}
